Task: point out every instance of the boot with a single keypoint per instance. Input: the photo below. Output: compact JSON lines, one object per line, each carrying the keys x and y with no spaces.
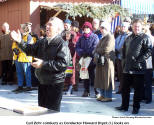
{"x":85,"y":94}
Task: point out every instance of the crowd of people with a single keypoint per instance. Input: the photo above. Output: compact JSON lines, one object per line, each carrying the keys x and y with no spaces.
{"x":55,"y":56}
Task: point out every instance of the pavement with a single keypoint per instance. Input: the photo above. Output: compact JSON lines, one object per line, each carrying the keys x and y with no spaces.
{"x":73,"y":104}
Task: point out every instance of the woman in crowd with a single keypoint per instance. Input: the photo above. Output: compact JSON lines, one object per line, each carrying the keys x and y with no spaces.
{"x":84,"y":48}
{"x":104,"y":56}
{"x":70,"y":79}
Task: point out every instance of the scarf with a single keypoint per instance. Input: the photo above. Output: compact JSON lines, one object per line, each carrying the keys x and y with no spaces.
{"x":87,"y":34}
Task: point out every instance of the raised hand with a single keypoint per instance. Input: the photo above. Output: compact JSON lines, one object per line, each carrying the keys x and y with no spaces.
{"x":16,"y":36}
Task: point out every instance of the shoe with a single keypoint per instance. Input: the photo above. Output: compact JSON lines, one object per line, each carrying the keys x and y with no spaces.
{"x":121,"y":108}
{"x":135,"y":111}
{"x":85,"y":94}
{"x":99,"y":98}
{"x":106,"y":100}
{"x":148,"y":102}
{"x":118,"y":92}
{"x":3,"y":83}
{"x":19,"y":89}
{"x":28,"y":89}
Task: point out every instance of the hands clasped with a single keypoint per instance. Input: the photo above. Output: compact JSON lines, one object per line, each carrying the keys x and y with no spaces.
{"x":37,"y":63}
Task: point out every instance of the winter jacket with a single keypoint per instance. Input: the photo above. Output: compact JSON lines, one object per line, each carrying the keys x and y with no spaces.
{"x":5,"y":47}
{"x":54,"y":56}
{"x":18,"y":54}
{"x":86,"y":45}
{"x":137,"y":48}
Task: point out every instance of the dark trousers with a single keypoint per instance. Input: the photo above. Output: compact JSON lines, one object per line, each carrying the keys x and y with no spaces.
{"x":90,"y":81}
{"x":50,"y":96}
{"x":147,"y":91}
{"x":137,"y":82}
{"x":7,"y":71}
{"x":119,"y":73}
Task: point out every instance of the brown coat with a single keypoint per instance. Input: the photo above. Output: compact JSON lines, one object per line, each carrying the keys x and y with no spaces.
{"x":5,"y":47}
{"x":105,"y":74}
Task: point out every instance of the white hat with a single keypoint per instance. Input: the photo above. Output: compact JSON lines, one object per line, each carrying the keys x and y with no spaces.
{"x":106,"y":25}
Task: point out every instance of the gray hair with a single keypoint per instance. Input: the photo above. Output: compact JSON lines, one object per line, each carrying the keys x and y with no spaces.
{"x":96,"y":20}
{"x":5,"y":24}
{"x":58,"y":23}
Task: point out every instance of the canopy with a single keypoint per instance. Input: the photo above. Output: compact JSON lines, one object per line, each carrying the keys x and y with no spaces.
{"x":139,"y":6}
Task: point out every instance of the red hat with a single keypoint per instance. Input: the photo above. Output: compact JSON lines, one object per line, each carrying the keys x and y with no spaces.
{"x":88,"y":24}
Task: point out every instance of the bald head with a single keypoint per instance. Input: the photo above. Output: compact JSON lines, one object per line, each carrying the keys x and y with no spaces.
{"x":5,"y":27}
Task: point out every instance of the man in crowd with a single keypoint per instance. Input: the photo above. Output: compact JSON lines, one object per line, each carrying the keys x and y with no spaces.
{"x":118,"y":48}
{"x":6,"y":55}
{"x":137,"y":48}
{"x":51,"y":60}
{"x":96,"y":25}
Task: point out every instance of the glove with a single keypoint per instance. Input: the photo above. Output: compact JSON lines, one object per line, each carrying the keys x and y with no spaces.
{"x":16,"y":51}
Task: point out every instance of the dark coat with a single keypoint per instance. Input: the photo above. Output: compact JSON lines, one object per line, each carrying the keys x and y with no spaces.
{"x":5,"y":47}
{"x":54,"y":56}
{"x":136,"y":49}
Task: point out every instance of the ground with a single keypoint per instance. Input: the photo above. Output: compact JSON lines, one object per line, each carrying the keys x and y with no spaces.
{"x":71,"y":104}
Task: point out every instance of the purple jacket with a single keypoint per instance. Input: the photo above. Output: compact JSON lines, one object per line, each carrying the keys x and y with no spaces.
{"x":86,"y":45}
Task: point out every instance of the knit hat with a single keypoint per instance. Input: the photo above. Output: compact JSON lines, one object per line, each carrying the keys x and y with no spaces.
{"x":75,"y":24}
{"x":88,"y":24}
{"x":68,"y":21}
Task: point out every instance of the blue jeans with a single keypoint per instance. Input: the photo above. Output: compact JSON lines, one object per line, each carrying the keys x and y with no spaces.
{"x":106,"y":93}
{"x":21,"y":69}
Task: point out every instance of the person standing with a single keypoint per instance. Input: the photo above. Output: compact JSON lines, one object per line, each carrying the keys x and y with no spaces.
{"x":104,"y":56}
{"x":51,"y":60}
{"x":77,"y":35}
{"x":6,"y":66}
{"x":118,"y":49}
{"x":84,"y":48}
{"x":96,"y":26}
{"x":22,"y":61}
{"x":137,"y":48}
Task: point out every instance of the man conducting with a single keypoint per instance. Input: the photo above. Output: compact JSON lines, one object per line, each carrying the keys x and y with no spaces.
{"x":50,"y":62}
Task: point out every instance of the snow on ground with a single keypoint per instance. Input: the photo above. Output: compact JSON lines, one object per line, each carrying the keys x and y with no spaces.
{"x":74,"y":104}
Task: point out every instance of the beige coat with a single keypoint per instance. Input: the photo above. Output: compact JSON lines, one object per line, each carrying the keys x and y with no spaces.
{"x":105,"y":74}
{"x":5,"y":47}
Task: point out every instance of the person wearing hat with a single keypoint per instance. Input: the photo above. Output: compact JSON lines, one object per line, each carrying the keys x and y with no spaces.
{"x":67,"y":27}
{"x":118,"y":49}
{"x":77,"y":35}
{"x":22,"y":61}
{"x":104,"y":55}
{"x":84,"y":48}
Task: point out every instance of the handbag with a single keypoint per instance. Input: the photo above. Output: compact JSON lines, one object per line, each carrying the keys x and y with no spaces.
{"x":101,"y":60}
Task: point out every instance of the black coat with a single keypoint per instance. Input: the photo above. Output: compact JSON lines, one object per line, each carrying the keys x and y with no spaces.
{"x":136,"y":49}
{"x":54,"y":56}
